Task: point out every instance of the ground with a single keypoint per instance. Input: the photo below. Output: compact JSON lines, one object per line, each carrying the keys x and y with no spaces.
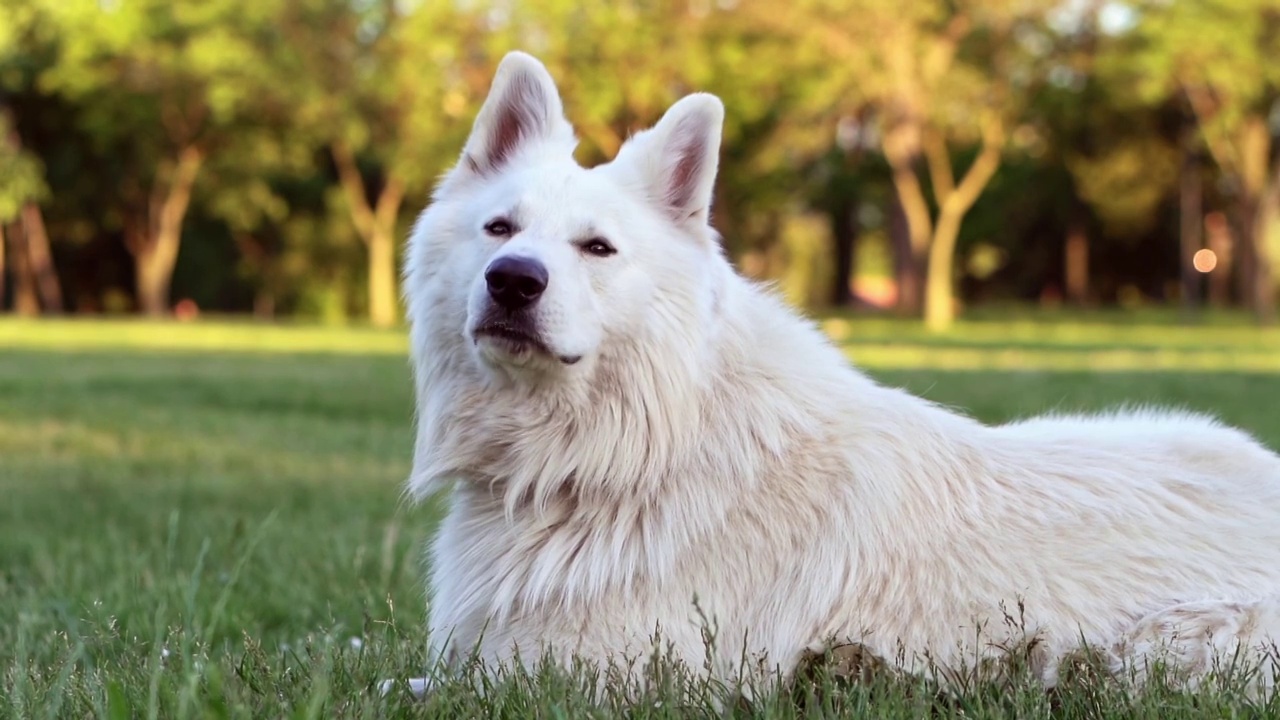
{"x":206,"y":519}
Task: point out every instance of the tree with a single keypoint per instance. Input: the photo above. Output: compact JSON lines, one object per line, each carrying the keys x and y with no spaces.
{"x":938,"y":79}
{"x":250,"y":187}
{"x":162,"y":85}
{"x":21,"y":188}
{"x":380,"y":87}
{"x":1219,"y":58}
{"x":936,"y":95}
{"x":22,"y":182}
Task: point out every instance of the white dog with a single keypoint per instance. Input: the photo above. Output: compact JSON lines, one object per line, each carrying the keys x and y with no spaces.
{"x":637,"y":439}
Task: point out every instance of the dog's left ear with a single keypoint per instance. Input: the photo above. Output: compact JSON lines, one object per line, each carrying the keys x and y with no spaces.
{"x":674,"y":162}
{"x":523,"y":111}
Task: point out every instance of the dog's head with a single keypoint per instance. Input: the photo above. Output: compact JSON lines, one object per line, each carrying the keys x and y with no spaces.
{"x":538,"y":264}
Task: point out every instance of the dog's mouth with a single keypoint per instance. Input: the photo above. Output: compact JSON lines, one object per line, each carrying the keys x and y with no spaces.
{"x":517,"y":341}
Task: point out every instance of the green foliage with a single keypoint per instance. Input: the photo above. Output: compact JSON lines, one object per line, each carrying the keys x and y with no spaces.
{"x":276,"y":94}
{"x":1126,"y":183}
{"x":161,"y":74}
{"x":1224,"y":47}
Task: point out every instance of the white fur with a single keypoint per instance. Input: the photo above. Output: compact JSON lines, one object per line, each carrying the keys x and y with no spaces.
{"x":713,"y":446}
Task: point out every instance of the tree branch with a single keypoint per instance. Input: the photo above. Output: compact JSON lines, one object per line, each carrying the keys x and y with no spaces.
{"x":353,"y":187}
{"x":939,"y":158}
{"x":155,"y":200}
{"x":1202,"y":107}
{"x":167,"y":231}
{"x":1255,"y":152}
{"x":982,"y":169}
{"x":179,"y":195}
{"x":900,"y":150}
{"x":389,"y":203}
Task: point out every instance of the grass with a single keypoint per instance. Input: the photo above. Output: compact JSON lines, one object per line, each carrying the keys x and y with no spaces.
{"x":205,"y":520}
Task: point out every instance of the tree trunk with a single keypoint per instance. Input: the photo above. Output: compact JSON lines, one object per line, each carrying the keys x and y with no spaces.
{"x":1218,"y":235}
{"x":40,"y":258}
{"x":153,"y":275}
{"x":1264,"y":209}
{"x":939,"y":296}
{"x":844,"y":234}
{"x":1076,"y":263}
{"x":382,"y":254}
{"x":264,"y":304}
{"x":1252,"y":260}
{"x":901,"y":145}
{"x":907,"y":264}
{"x":37,"y":259}
{"x":1255,"y":165}
{"x":1191,"y":221}
{"x":1269,"y":234}
{"x":155,"y":252}
{"x":264,"y":267}
{"x":382,"y":279}
{"x":26,"y":300}
{"x":376,"y":227}
{"x":939,"y":301}
{"x":1263,"y":300}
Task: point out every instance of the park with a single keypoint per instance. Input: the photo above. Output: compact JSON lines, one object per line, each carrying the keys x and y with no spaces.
{"x":206,"y":402}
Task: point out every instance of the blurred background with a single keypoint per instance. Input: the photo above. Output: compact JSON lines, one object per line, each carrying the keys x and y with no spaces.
{"x":1007,"y":207}
{"x":266,"y":157}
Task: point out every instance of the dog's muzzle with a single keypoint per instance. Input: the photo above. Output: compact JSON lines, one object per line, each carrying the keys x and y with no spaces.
{"x":515,"y":284}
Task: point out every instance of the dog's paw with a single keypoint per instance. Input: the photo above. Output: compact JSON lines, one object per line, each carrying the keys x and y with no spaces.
{"x":417,"y":686}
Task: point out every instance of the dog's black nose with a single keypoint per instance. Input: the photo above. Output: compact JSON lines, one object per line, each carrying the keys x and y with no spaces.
{"x":515,"y":282}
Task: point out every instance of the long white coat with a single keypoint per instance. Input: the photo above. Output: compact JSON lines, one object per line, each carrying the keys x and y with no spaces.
{"x":699,"y":453}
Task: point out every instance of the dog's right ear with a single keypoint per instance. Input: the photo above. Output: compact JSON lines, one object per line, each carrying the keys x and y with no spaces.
{"x":674,"y":163}
{"x":523,"y":111}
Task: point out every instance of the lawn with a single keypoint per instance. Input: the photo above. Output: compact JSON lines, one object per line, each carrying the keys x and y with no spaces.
{"x":206,"y":520}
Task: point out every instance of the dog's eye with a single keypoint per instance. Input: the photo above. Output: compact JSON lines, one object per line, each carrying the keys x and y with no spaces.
{"x":498,"y":228}
{"x":598,"y":247}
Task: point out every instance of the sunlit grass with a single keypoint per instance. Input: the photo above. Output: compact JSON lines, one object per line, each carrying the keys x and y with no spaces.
{"x":1099,"y":341}
{"x":198,"y":519}
{"x":223,"y":336}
